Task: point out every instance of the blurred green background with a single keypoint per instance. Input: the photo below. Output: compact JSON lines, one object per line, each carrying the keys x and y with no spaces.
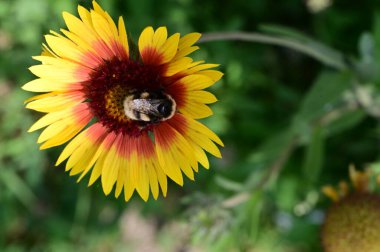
{"x":290,"y":125}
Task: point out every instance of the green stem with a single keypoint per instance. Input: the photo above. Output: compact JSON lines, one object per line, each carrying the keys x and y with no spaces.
{"x":83,"y":207}
{"x":325,"y":55}
{"x":18,"y":187}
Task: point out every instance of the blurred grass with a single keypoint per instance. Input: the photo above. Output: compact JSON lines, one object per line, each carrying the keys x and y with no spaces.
{"x":289,"y":125}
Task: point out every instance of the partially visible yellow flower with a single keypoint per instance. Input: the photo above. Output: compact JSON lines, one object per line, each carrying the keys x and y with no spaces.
{"x":359,"y":180}
{"x":352,"y":223}
{"x":87,"y":73}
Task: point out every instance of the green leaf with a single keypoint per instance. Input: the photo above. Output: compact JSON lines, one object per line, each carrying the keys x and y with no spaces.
{"x":325,"y":94}
{"x":314,"y":156}
{"x":376,"y":38}
{"x":285,"y":193}
{"x":274,"y":152}
{"x":346,"y":121}
{"x":249,"y":216}
{"x":228,"y":184}
{"x":367,"y":66}
{"x":367,"y":47}
{"x":376,"y":34}
{"x":271,"y":148}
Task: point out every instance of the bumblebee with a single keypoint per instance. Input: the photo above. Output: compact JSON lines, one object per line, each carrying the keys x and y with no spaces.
{"x":149,"y":106}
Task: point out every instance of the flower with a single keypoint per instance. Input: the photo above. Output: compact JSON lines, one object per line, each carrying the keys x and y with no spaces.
{"x":86,"y":75}
{"x":352,"y":222}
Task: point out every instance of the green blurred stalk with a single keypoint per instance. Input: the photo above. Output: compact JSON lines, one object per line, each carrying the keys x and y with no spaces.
{"x":82,"y":211}
{"x":315,"y":50}
{"x":18,"y":187}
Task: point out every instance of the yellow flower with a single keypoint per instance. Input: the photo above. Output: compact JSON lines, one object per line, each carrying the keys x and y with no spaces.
{"x":352,"y":223}
{"x":128,"y":111}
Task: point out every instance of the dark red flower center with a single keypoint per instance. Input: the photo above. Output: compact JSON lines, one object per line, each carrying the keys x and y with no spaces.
{"x":108,"y":86}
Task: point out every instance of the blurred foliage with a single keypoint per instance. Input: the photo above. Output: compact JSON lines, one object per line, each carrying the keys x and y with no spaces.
{"x":289,"y":122}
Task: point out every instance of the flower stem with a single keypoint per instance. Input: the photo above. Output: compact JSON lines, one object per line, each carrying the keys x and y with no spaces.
{"x":317,"y":51}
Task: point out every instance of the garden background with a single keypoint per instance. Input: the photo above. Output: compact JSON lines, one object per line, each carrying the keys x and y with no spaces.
{"x":291,"y":123}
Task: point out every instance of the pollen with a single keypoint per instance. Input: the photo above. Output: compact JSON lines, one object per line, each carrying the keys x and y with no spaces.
{"x":114,"y":103}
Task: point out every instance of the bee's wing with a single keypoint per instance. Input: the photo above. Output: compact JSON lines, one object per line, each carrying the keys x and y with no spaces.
{"x":147,"y":106}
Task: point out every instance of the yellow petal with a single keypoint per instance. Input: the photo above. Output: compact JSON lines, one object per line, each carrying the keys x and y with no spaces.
{"x":51,"y":131}
{"x":213,"y":74}
{"x":48,"y":60}
{"x":196,"y":110}
{"x":67,"y":134}
{"x":184,"y":52}
{"x":91,"y":163}
{"x":200,"y":154}
{"x":123,"y":35}
{"x":44,"y":85}
{"x":76,"y":26}
{"x":146,"y":38}
{"x":71,"y":147}
{"x":120,"y":179}
{"x":142,"y":183}
{"x":152,"y":179}
{"x":47,"y":52}
{"x":343,"y":189}
{"x":169,"y":48}
{"x":159,"y":37}
{"x":129,"y":185}
{"x":48,"y":119}
{"x":110,"y":169}
{"x":183,"y":163}
{"x":359,"y":179}
{"x":94,"y":55}
{"x":84,"y":161}
{"x":178,"y":66}
{"x":168,"y":165}
{"x":58,"y":73}
{"x":184,"y":148}
{"x":41,"y":96}
{"x":98,"y":9}
{"x":205,"y":143}
{"x":111,"y":24}
{"x":64,"y":48}
{"x":85,"y":16}
{"x":203,"y":67}
{"x":202,"y":97}
{"x":195,"y":82}
{"x":202,"y":129}
{"x":97,"y":170}
{"x":102,"y":28}
{"x":78,"y":154}
{"x":54,"y":103}
{"x":162,"y":179}
{"x":188,"y":40}
{"x":330,"y":192}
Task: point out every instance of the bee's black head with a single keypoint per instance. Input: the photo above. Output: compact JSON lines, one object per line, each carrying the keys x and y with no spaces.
{"x":165,"y":108}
